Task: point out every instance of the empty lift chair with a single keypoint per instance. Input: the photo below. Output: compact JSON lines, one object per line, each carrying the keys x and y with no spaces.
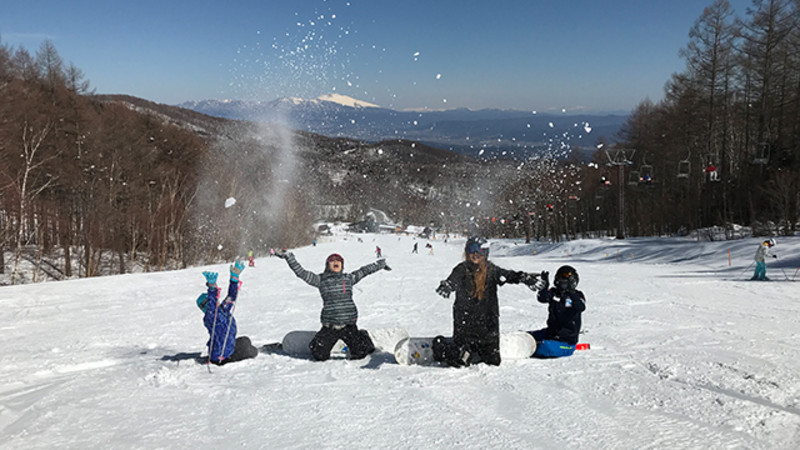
{"x":684,"y":168}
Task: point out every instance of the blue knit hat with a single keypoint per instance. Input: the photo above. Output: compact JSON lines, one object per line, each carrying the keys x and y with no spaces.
{"x":202,"y":302}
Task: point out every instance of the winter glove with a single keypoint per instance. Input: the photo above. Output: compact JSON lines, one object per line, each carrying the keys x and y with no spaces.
{"x":533,"y":282}
{"x":236,"y":269}
{"x":383,"y":263}
{"x":513,"y":277}
{"x":444,"y":289}
{"x":775,"y":256}
{"x":211,"y":278}
{"x":545,"y":276}
{"x":282,"y":254}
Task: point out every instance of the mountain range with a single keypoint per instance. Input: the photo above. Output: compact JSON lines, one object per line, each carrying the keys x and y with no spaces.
{"x":484,"y":133}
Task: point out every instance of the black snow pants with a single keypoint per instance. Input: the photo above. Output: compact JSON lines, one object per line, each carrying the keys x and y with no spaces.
{"x":358,"y":341}
{"x":457,"y":351}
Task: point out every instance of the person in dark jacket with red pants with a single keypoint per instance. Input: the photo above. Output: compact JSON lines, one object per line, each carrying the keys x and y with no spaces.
{"x":223,"y":345}
{"x":339,"y":313}
{"x":476,"y":325}
{"x":565,"y":303}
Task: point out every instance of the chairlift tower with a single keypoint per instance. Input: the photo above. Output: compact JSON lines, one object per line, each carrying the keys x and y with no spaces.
{"x":621,"y":158}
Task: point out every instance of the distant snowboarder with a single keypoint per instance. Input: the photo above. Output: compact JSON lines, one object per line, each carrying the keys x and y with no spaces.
{"x":476,"y":325}
{"x":339,"y":313}
{"x":761,"y":265}
{"x":565,"y":303}
{"x":223,"y":345}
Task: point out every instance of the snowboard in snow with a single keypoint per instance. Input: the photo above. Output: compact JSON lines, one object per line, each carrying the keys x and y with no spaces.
{"x":415,"y":351}
{"x":419,"y":350}
{"x":295,"y":343}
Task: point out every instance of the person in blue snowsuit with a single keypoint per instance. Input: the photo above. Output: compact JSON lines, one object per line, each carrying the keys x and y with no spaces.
{"x":565,"y":303}
{"x":223,"y":345}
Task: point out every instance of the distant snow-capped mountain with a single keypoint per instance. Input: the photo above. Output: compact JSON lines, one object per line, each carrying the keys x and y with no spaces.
{"x":243,"y":109}
{"x":487,"y":132}
{"x":345,"y":101}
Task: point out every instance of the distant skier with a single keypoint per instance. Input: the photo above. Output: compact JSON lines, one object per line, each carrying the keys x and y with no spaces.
{"x":761,"y":265}
{"x":223,"y":345}
{"x":252,"y":262}
{"x":476,"y":325}
{"x":414,"y":250}
{"x":565,"y":303}
{"x":378,"y":252}
{"x":339,"y":313}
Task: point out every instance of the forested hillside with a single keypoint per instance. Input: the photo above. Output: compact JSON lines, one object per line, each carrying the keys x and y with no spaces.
{"x":99,"y":184}
{"x":723,"y":146}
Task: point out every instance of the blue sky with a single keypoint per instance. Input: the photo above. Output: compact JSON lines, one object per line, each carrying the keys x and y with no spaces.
{"x":543,"y":55}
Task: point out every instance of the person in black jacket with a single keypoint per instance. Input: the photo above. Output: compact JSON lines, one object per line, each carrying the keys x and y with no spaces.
{"x":565,"y":303}
{"x":476,"y":326}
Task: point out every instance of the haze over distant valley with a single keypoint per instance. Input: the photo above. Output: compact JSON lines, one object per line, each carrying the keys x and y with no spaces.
{"x":484,"y":133}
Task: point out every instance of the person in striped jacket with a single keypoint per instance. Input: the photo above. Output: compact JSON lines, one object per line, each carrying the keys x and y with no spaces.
{"x":339,"y":313}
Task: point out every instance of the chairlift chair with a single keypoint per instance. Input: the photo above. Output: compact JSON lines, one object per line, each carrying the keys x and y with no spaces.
{"x":684,"y":167}
{"x":762,"y":154}
{"x":646,"y":173}
{"x":711,"y":168}
{"x":633,"y":177}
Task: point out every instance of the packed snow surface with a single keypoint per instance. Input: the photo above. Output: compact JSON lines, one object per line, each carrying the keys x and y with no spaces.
{"x":685,"y":353}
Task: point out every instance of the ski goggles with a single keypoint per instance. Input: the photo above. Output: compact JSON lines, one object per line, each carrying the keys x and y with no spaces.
{"x":335,"y":257}
{"x":477,"y":248}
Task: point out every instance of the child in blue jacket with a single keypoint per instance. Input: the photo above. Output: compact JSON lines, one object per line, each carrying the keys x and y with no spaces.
{"x":565,"y":303}
{"x":223,"y":345}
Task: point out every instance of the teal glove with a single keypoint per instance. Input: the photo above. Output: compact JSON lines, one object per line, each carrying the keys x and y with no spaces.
{"x":236,"y":269}
{"x":211,"y":278}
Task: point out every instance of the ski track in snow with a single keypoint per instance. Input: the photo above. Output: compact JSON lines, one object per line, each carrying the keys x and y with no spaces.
{"x":684,"y":355}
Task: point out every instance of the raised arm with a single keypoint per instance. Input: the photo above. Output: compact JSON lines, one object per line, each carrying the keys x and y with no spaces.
{"x":309,"y":277}
{"x":368,"y":270}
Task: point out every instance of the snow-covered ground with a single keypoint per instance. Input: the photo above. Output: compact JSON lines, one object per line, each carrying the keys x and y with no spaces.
{"x":685,"y":354}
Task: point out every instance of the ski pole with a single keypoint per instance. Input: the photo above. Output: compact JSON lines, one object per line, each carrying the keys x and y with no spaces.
{"x":784,"y":272}
{"x":230,"y":319}
{"x":211,"y":342}
{"x":748,"y":267}
{"x":228,"y":331}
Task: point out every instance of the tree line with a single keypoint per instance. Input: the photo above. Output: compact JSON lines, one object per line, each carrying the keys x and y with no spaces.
{"x":723,"y":146}
{"x":93,"y":180}
{"x":102,"y":185}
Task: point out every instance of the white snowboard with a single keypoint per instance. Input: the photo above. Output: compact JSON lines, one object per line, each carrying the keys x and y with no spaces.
{"x":296,"y":343}
{"x":419,"y":350}
{"x":415,"y":351}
